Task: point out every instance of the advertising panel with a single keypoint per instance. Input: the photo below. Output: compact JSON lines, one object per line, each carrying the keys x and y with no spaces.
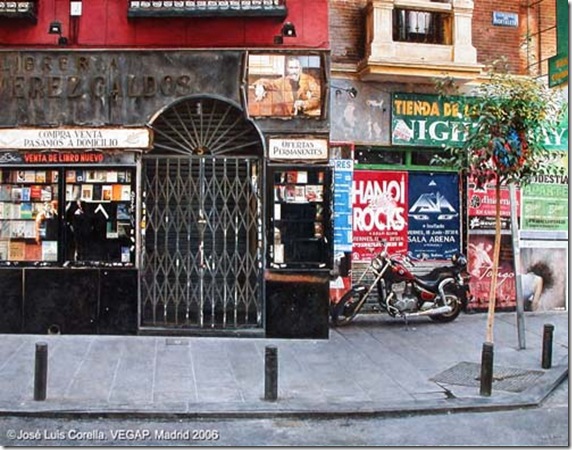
{"x":434,"y":219}
{"x":480,"y":267}
{"x":379,"y":212}
{"x":544,"y":269}
{"x":481,"y":207}
{"x":545,"y":204}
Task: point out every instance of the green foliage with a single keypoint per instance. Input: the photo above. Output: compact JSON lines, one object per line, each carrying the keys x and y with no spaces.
{"x":509,"y":116}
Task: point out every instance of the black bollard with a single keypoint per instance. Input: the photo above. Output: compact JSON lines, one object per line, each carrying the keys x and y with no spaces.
{"x":547,"y":346}
{"x":487,"y":368}
{"x":271,"y":373}
{"x":41,"y":371}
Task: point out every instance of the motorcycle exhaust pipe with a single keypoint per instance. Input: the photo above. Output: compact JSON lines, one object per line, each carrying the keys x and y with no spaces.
{"x":431,"y":312}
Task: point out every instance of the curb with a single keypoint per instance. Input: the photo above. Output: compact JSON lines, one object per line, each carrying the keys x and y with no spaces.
{"x":530,"y":398}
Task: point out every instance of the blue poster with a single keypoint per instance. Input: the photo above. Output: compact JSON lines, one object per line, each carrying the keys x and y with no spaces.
{"x":343,"y":174}
{"x":434,"y":215}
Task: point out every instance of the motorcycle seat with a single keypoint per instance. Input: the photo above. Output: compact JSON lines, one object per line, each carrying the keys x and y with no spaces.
{"x":432,"y":279}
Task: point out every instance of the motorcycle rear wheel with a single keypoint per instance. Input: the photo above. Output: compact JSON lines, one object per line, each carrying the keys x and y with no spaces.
{"x":347,"y":308}
{"x":455,"y":303}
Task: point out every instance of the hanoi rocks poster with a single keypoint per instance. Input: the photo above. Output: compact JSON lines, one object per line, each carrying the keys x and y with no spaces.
{"x":434,"y":219}
{"x":379,"y":212}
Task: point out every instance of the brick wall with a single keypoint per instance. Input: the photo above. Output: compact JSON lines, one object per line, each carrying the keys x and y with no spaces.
{"x":347,"y":30}
{"x":347,"y":33}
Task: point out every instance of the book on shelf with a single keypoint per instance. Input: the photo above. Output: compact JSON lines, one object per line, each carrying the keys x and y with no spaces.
{"x":70,"y":176}
{"x":125,"y":192}
{"x":40,"y":176}
{"x":33,"y":252}
{"x":36,"y":192}
{"x":4,"y":246}
{"x":16,"y":251}
{"x":49,"y":250}
{"x":123,"y":229}
{"x":16,"y":194}
{"x":111,"y":230}
{"x":5,"y":227}
{"x":30,"y":176}
{"x":26,"y":194}
{"x":87,"y":192}
{"x":123,"y":211}
{"x":107,"y":193}
{"x":53,"y":176}
{"x":117,"y":192}
{"x":26,"y":210}
{"x":112,"y":176}
{"x":97,"y":193}
{"x":73,"y":192}
{"x":5,"y":192}
{"x":46,"y":193}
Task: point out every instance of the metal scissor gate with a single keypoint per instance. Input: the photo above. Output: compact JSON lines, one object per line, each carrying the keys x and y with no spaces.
{"x":201,"y":260}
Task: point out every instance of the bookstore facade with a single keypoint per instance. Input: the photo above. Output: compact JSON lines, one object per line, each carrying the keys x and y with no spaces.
{"x":176,"y":192}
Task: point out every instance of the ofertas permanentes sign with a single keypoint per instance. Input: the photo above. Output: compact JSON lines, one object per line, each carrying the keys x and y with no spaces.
{"x":424,"y":120}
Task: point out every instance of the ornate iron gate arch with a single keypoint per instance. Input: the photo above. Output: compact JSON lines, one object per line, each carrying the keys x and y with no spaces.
{"x":202,"y":252}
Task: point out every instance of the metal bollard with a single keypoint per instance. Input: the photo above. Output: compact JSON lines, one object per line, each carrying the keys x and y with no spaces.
{"x":41,"y":371}
{"x":487,"y":368}
{"x":271,"y":373}
{"x":547,"y":336}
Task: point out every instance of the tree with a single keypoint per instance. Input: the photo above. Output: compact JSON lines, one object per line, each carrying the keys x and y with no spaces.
{"x":509,"y":117}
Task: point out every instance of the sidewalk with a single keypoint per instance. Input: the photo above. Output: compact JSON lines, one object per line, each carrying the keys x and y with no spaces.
{"x":375,"y":366}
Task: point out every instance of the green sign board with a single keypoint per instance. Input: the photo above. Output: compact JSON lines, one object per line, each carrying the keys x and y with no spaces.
{"x":545,"y":204}
{"x":558,"y":70}
{"x":424,"y":120}
{"x":558,"y":65}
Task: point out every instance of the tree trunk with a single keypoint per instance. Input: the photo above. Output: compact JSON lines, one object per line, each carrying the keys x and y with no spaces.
{"x":496,"y":257}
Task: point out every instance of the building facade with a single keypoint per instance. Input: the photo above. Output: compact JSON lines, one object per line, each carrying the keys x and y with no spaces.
{"x":388,"y":121}
{"x":164,"y":167}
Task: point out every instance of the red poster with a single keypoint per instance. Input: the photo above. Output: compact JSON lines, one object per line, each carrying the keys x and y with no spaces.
{"x":482,"y":202}
{"x":379,"y":212}
{"x":480,"y":267}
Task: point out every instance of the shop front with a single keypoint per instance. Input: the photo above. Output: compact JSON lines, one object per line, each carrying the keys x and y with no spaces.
{"x":141,"y":192}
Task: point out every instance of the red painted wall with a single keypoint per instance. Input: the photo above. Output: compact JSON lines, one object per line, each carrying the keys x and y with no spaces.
{"x":104,"y":24}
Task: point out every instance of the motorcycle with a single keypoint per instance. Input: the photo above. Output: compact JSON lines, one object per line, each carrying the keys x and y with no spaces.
{"x":441,"y":294}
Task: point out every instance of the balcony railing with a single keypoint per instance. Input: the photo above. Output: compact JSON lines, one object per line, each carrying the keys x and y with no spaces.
{"x":18,"y":10}
{"x":207,"y":8}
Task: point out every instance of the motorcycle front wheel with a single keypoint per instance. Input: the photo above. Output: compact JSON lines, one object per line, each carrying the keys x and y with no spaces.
{"x":347,"y":308}
{"x":453,"y":301}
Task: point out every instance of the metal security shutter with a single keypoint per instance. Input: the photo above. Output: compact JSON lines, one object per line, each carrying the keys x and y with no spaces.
{"x":201,"y":262}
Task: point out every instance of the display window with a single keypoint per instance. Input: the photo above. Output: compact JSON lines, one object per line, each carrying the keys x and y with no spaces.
{"x":300,"y":219}
{"x":67,"y":216}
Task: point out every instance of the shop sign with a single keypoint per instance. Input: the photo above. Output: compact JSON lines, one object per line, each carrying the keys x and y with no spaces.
{"x":74,"y":138}
{"x":66,"y":157}
{"x":423,"y":120}
{"x":427,"y":121}
{"x":434,"y":215}
{"x":298,"y":149}
{"x":379,"y":212}
{"x":545,"y":204}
